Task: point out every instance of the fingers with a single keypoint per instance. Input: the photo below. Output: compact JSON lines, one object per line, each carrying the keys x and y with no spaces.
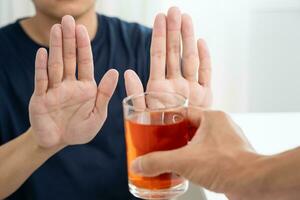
{"x":85,"y":56}
{"x":204,"y":74}
{"x":190,"y":59}
{"x":134,"y":86}
{"x":195,"y":115}
{"x":41,"y":76}
{"x":69,"y":46}
{"x":62,"y":57}
{"x":173,"y":43}
{"x":133,"y":83}
{"x":106,"y":89}
{"x":154,"y":164}
{"x":55,"y":62}
{"x":168,"y":31}
{"x":158,"y":48}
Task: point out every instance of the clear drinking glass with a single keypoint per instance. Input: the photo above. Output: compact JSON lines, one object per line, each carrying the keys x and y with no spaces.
{"x":155,"y":121}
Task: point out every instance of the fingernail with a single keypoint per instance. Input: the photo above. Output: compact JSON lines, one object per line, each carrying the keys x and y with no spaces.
{"x":136,"y":166}
{"x":56,"y":30}
{"x":204,"y":43}
{"x":68,"y":17}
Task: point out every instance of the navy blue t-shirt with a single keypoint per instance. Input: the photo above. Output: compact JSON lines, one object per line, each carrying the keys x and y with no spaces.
{"x":96,"y":170}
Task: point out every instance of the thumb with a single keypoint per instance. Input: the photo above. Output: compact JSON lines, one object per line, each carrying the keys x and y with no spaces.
{"x":106,"y":89}
{"x":133,"y":83}
{"x":134,"y":86}
{"x":156,"y":163}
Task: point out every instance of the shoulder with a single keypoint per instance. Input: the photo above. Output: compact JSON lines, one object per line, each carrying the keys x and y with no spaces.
{"x":8,"y":32}
{"x":13,"y":50}
{"x":5,"y":34}
{"x":9,"y":35}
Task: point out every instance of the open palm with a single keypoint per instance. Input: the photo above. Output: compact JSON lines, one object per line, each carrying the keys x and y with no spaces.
{"x":188,"y":74}
{"x":64,"y":110}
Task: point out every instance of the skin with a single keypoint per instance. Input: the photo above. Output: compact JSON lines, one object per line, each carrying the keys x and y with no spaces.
{"x":221,"y":159}
{"x":50,"y":12}
{"x":60,"y":101}
{"x":58,"y":8}
{"x":165,"y":70}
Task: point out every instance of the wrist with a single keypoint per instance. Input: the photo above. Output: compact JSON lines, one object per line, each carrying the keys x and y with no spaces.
{"x":248,"y":178}
{"x":37,"y":148}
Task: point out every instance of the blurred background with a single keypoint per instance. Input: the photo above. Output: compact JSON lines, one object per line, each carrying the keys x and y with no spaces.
{"x":255,"y":45}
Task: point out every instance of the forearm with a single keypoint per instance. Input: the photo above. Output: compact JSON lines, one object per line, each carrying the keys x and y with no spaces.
{"x":271,"y":178}
{"x":19,"y":158}
{"x":282,"y":176}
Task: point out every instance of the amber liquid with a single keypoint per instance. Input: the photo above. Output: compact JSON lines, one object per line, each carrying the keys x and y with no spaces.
{"x":155,"y":132}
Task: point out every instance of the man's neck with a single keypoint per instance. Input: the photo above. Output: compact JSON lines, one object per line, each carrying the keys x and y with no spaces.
{"x":38,"y":27}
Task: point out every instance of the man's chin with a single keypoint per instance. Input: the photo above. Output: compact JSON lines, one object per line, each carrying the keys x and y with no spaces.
{"x":68,"y":9}
{"x":62,"y":12}
{"x":58,"y":15}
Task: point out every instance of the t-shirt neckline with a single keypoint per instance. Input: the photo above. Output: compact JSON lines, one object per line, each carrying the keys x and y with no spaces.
{"x":98,"y":36}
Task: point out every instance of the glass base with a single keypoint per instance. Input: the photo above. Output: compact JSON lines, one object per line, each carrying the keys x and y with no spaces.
{"x":163,"y":194}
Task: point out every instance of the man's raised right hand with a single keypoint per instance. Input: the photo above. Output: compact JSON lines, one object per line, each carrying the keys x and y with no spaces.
{"x":66,"y":110}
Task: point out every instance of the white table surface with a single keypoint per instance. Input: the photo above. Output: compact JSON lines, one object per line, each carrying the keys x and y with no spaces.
{"x":269,"y":133}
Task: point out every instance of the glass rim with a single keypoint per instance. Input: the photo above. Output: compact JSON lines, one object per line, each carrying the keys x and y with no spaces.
{"x":134,"y":96}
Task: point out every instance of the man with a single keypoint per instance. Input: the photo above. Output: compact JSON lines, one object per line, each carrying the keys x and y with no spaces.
{"x":220,"y":159}
{"x":37,"y":160}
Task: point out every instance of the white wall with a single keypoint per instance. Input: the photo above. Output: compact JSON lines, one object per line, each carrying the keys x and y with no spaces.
{"x":11,"y":10}
{"x":274,"y":57}
{"x":254,"y":45}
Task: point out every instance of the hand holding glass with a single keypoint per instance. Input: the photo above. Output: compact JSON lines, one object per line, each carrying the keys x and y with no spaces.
{"x":156,"y":121}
